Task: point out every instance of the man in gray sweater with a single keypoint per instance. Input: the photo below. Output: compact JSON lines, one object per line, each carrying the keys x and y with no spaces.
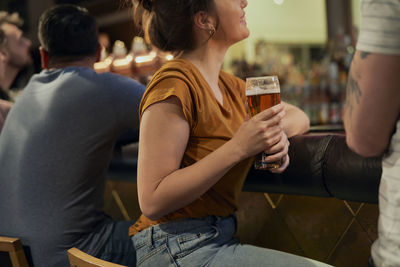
{"x":57,"y":143}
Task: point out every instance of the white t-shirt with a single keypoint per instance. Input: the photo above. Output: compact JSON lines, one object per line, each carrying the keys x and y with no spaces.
{"x":380,"y":33}
{"x":380,"y":27}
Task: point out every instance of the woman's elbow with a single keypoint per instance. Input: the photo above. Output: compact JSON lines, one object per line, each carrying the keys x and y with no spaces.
{"x":150,"y":210}
{"x":304,"y":125}
{"x":151,"y":216}
{"x":298,"y":126}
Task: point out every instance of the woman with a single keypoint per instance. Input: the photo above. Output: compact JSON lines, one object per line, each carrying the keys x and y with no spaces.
{"x":196,"y":145}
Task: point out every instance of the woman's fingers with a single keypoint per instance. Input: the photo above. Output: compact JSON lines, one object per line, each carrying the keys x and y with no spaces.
{"x":279,"y":146}
{"x":270,"y":113}
{"x":285,"y":163}
{"x":279,"y":155}
{"x":272,"y":136}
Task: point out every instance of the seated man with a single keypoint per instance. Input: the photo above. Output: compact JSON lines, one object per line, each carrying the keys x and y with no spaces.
{"x":57,"y":144}
{"x":17,"y":49}
{"x":4,"y":105}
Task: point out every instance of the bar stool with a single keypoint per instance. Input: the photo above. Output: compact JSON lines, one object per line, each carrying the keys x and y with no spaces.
{"x":14,"y":248}
{"x":78,"y":258}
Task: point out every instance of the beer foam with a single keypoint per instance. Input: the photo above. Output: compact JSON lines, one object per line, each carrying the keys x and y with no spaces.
{"x":259,"y":91}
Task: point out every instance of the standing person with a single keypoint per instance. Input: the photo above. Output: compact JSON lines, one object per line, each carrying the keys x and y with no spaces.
{"x":195,"y":145}
{"x":372,"y":115}
{"x":57,"y":143}
{"x":17,"y":50}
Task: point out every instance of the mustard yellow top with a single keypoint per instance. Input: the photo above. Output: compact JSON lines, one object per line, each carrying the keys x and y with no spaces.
{"x":211,"y":125}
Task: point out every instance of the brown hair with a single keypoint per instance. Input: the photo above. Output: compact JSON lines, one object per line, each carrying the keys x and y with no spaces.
{"x":168,"y":24}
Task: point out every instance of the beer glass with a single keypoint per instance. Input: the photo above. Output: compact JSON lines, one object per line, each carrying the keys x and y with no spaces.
{"x":262,"y":93}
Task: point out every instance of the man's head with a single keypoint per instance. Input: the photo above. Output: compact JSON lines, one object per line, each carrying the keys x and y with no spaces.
{"x":67,"y":33}
{"x":16,"y":46}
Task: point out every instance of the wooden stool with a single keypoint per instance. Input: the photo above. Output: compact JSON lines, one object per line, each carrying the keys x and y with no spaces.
{"x":14,"y":248}
{"x":78,"y":258}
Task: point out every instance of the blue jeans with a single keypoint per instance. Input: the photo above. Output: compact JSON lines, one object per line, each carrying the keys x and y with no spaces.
{"x":119,"y":248}
{"x":205,"y":242}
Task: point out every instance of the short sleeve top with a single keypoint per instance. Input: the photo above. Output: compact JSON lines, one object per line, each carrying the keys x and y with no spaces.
{"x":211,"y":124}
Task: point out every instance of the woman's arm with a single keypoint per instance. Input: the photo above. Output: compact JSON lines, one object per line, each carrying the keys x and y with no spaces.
{"x":296,"y":121}
{"x":162,"y":186}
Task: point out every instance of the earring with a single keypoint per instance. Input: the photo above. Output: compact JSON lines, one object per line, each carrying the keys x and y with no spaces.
{"x":212,"y":31}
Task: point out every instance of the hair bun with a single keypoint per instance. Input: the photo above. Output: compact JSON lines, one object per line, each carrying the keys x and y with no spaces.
{"x":147,"y":4}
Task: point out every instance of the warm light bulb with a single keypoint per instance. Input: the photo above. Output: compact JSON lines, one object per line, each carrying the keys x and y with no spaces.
{"x":278,"y":2}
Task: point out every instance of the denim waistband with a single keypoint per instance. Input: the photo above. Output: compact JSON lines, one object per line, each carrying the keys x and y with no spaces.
{"x":184,"y":225}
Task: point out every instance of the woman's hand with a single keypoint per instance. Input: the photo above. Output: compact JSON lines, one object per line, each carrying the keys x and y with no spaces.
{"x":262,"y":133}
{"x":285,"y":164}
{"x":279,"y":150}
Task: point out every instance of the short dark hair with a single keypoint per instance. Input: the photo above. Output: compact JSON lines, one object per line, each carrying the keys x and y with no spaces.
{"x":168,"y":24}
{"x":68,"y":32}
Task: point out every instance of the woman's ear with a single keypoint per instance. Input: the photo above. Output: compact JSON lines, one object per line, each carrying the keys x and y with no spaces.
{"x":204,"y":21}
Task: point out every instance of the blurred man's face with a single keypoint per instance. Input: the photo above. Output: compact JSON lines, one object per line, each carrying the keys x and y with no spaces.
{"x":17,"y":46}
{"x":2,"y":65}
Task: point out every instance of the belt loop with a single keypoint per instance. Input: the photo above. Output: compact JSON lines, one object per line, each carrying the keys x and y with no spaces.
{"x":151,"y":244}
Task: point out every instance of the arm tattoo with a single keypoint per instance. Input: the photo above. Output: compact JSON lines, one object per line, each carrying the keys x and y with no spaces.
{"x":364,"y":55}
{"x":353,"y":94}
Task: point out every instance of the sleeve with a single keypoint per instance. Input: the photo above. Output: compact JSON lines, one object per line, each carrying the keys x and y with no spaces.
{"x":168,"y":87}
{"x":380,"y":27}
{"x":126,"y":101}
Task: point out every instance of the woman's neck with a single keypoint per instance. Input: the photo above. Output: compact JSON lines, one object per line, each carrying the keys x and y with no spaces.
{"x":208,"y":60}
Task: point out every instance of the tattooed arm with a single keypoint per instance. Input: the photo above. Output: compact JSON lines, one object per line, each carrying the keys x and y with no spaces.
{"x":372,"y":102}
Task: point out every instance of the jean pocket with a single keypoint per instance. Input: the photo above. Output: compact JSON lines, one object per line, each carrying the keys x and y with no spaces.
{"x":189,"y":242}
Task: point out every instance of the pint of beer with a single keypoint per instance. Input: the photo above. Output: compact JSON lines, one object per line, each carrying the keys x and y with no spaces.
{"x":262,"y":93}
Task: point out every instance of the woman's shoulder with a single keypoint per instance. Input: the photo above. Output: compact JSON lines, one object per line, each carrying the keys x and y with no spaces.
{"x":179,"y":71}
{"x":176,"y":66}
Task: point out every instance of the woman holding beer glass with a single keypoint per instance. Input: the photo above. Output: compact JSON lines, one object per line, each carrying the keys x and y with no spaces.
{"x":196,"y":144}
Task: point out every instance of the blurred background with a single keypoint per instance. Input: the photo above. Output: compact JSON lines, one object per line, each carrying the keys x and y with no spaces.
{"x":308,"y":44}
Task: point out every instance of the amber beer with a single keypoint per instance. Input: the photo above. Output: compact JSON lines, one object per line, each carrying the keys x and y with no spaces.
{"x":262,"y":93}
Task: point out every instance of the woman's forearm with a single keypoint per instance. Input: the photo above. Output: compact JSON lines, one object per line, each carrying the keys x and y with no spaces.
{"x":185,"y":185}
{"x":296,"y":121}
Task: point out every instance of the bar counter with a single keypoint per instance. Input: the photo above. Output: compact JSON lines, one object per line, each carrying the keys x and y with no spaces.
{"x":321,"y":165}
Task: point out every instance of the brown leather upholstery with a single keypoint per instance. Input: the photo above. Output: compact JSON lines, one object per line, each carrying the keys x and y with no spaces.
{"x":322,"y":165}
